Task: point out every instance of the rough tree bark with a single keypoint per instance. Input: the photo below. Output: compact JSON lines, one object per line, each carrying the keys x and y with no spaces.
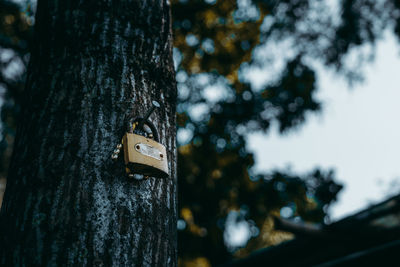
{"x":94,"y":65}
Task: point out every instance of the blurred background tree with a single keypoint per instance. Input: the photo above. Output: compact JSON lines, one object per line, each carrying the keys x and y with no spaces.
{"x":218,"y":46}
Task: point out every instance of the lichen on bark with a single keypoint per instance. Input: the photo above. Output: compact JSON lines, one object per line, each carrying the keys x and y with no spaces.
{"x":94,"y":65}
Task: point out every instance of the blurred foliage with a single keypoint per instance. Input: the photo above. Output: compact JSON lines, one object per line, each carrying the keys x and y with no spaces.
{"x":218,"y":46}
{"x":15,"y":34}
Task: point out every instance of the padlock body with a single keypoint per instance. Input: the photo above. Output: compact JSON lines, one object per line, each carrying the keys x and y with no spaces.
{"x":145,"y":156}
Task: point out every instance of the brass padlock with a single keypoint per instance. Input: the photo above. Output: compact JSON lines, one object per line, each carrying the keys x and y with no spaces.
{"x":144,"y":155}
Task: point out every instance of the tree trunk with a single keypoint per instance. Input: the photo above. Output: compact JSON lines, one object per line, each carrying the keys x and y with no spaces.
{"x":94,"y":66}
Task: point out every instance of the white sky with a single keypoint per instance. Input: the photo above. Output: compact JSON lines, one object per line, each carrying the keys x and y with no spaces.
{"x":357,"y":134}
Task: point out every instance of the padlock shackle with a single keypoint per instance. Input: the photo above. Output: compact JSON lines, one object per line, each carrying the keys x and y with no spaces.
{"x":132,"y":127}
{"x":154,"y":105}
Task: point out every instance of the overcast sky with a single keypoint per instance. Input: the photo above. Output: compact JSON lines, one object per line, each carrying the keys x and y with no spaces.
{"x":357,"y":133}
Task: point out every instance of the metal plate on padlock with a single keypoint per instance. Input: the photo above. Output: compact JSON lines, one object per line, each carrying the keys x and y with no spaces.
{"x":145,"y":156}
{"x":149,"y":151}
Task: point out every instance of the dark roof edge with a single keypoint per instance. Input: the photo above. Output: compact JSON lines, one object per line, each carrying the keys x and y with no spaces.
{"x":291,"y":249}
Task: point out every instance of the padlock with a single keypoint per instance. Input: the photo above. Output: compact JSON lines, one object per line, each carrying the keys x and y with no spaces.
{"x":144,"y":155}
